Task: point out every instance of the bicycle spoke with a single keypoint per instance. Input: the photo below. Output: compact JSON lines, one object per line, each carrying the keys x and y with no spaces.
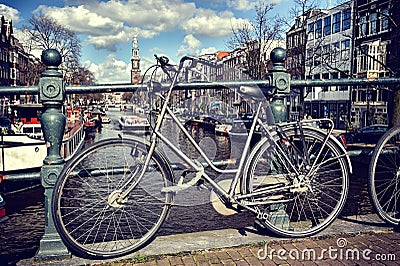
{"x":309,"y":198}
{"x":90,"y":215}
{"x":384,"y":174}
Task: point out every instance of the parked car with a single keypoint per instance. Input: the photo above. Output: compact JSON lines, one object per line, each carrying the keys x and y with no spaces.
{"x":370,"y":134}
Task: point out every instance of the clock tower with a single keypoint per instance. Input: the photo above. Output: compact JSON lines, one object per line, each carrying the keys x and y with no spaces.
{"x":135,"y":72}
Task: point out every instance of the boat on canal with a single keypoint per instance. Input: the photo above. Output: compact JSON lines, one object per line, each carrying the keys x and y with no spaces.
{"x":22,"y":146}
{"x":105,"y":119}
{"x":3,"y":216}
{"x":223,"y":129}
{"x":134,"y":123}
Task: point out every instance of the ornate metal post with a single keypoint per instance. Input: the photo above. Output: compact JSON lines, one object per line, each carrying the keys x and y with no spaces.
{"x":51,"y":95}
{"x":281,"y":80}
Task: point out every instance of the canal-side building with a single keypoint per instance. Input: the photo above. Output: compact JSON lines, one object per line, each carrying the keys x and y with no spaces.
{"x":5,"y":33}
{"x":356,"y":39}
{"x":17,"y":66}
{"x":296,"y":42}
{"x":319,"y":47}
{"x":377,"y":54}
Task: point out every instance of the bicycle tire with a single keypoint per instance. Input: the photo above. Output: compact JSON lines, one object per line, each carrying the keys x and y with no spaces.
{"x":91,"y":223}
{"x":309,"y":207}
{"x":384,"y":177}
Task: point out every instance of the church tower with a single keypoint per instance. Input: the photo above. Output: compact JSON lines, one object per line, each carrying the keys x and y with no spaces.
{"x":135,"y":72}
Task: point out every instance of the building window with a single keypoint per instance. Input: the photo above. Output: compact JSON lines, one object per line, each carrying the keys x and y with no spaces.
{"x":13,"y":57}
{"x":318,"y":29}
{"x":363,"y":27}
{"x":327,"y":26}
{"x":297,"y":23}
{"x":311,"y":31}
{"x":13,"y":74}
{"x":336,"y":23}
{"x":345,"y":50}
{"x":371,"y":60}
{"x":346,"y":19}
{"x":385,"y":20}
{"x":373,"y":20}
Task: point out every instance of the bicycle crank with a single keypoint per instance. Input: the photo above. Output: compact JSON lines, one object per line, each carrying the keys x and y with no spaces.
{"x":217,"y":203}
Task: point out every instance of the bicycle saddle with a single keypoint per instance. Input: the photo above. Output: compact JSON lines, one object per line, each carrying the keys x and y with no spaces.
{"x":252,"y":92}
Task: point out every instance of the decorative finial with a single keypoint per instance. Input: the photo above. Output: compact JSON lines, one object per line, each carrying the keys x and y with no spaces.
{"x":51,"y":58}
{"x":278,"y":56}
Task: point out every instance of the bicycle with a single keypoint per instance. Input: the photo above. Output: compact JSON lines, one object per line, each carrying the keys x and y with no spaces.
{"x":294,"y":180}
{"x":384,"y":173}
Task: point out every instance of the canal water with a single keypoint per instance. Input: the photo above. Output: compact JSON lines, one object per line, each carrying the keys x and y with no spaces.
{"x":20,"y":234}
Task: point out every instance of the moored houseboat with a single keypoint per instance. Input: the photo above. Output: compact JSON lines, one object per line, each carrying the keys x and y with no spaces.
{"x":23,"y":149}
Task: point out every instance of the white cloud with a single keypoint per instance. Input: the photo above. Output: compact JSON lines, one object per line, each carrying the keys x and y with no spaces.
{"x":82,"y":20}
{"x":111,"y":70}
{"x":192,"y":41}
{"x":112,"y":22}
{"x":208,"y":50}
{"x":207,"y":23}
{"x":157,"y":15}
{"x":245,"y":5}
{"x":111,"y":41}
{"x":190,"y":46}
{"x":9,"y":13}
{"x":242,"y":5}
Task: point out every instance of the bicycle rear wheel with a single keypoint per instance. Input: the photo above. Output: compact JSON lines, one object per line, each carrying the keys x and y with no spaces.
{"x":302,"y":203}
{"x":384,"y":177}
{"x":89,"y":218}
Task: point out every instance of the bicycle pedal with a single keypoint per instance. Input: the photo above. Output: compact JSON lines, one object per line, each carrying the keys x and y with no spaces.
{"x":259,"y":225}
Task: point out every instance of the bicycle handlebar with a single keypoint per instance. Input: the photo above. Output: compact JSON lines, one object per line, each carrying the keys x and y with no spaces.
{"x":163,"y":60}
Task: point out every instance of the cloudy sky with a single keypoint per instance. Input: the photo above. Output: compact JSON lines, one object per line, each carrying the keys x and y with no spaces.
{"x":170,"y":27}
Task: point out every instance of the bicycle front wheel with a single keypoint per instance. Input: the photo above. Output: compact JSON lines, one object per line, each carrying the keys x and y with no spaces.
{"x":299,"y":194}
{"x":90,"y":217}
{"x":384,"y":177}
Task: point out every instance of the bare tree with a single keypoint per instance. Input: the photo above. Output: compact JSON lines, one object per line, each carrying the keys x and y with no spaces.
{"x":82,"y":76}
{"x":255,"y":37}
{"x":45,"y":33}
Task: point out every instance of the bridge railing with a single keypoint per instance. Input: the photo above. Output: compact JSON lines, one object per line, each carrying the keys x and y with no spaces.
{"x":52,"y":92}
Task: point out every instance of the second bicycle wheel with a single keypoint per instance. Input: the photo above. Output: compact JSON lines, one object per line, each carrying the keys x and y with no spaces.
{"x":384,"y":177}
{"x":299,"y":194}
{"x":91,"y":219}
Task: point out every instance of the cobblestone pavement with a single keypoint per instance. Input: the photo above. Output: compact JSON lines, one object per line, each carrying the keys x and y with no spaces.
{"x":367,"y":241}
{"x":370,"y":248}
